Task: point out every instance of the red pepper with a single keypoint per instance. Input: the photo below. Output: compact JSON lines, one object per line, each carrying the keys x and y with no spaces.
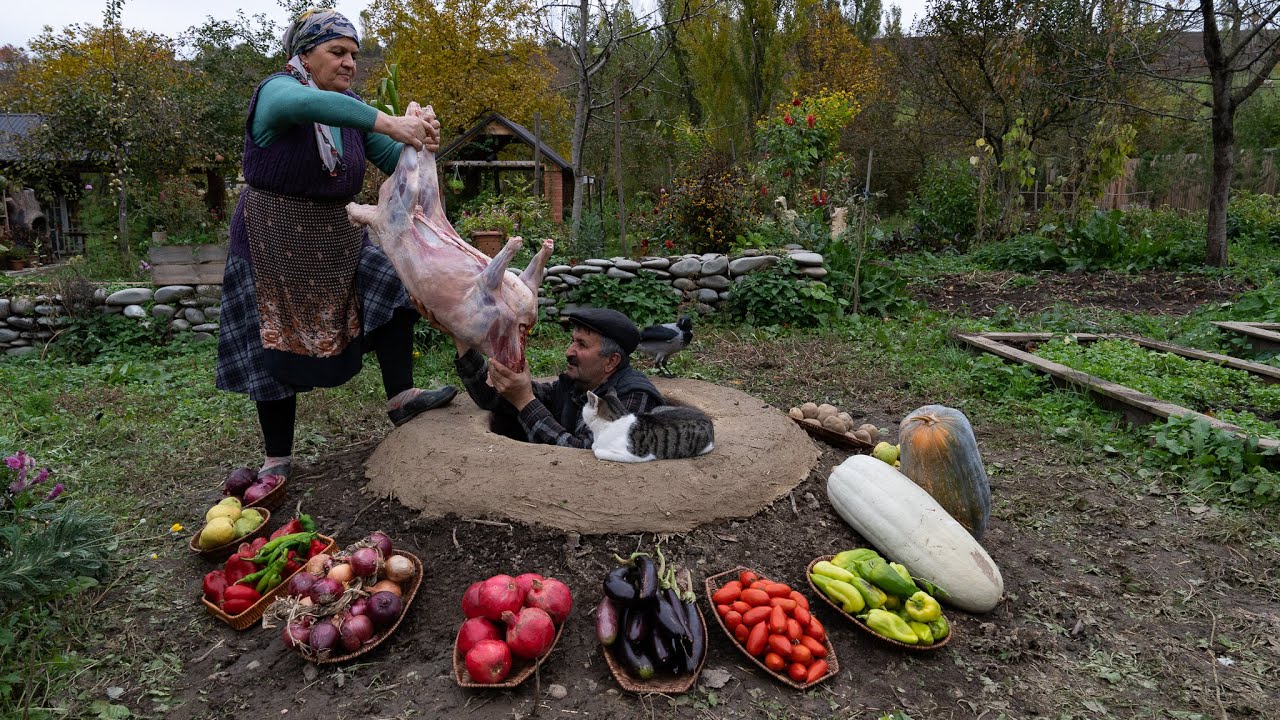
{"x":291,"y":565}
{"x":239,"y":598}
{"x":235,"y":607}
{"x":215,"y":584}
{"x":248,"y":550}
{"x":317,"y":546}
{"x":237,"y":568}
{"x":289,"y":528}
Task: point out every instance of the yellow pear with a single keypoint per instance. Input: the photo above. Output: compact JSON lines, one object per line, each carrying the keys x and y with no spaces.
{"x":229,"y":512}
{"x":219,"y":531}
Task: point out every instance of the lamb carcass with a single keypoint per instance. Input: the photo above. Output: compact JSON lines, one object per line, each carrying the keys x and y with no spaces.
{"x":474,"y":297}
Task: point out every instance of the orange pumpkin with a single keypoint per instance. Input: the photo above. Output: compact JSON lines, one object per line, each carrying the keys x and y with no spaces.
{"x":940,"y":454}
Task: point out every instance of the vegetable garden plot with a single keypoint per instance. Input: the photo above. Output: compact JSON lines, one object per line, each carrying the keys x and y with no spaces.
{"x":1263,"y":336}
{"x":1140,"y":407}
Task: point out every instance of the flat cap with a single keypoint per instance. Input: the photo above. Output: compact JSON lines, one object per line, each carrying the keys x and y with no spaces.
{"x":609,"y":323}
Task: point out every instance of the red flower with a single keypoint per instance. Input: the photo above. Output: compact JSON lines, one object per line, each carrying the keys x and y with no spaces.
{"x":764,"y":191}
{"x":788,"y":120}
{"x":795,"y":102}
{"x":811,"y":120}
{"x":820,"y":198}
{"x":670,"y":244}
{"x":786,"y":173}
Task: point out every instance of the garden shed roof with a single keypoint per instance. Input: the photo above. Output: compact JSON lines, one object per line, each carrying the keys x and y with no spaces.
{"x":14,"y":127}
{"x":515,"y":128}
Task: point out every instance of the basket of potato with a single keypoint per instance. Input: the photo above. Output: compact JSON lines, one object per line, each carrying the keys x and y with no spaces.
{"x":828,"y":423}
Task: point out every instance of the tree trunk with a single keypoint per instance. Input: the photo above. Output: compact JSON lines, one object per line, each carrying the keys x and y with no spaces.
{"x":581,"y":113}
{"x":1224,"y":170}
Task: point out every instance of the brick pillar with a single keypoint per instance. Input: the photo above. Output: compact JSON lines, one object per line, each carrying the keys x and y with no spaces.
{"x":553,"y":191}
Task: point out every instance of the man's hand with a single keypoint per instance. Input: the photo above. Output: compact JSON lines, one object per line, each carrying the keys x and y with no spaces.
{"x":516,"y":387}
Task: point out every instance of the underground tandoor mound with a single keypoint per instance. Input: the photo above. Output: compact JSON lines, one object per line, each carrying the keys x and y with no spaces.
{"x":448,"y":461}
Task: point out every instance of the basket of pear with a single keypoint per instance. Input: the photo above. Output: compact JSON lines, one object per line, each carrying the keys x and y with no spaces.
{"x":226,"y":525}
{"x":828,"y":423}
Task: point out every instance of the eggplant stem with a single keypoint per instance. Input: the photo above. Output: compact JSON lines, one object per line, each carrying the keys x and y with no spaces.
{"x":662,"y":561}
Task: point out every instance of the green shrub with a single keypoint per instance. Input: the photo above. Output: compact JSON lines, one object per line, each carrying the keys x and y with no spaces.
{"x":1136,"y":240}
{"x":782,"y":296}
{"x":706,"y":210}
{"x":1253,"y":217}
{"x":882,"y":291}
{"x":945,"y":207}
{"x":1213,"y":461}
{"x":645,"y":299}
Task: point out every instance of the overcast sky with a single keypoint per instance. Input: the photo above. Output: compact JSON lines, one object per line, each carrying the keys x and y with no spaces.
{"x":24,"y":19}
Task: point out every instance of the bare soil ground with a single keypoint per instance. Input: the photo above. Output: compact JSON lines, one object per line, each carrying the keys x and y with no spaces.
{"x":1123,"y":599}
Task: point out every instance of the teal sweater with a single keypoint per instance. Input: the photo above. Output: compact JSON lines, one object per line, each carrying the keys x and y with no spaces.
{"x":284,"y":102}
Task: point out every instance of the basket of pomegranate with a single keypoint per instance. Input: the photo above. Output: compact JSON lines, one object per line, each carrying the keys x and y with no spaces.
{"x":251,"y":578}
{"x":266,"y":491}
{"x":651,"y":630}
{"x":512,"y":625}
{"x":342,"y":606}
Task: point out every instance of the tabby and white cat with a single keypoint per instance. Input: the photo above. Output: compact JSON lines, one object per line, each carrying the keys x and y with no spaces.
{"x":663,"y":433}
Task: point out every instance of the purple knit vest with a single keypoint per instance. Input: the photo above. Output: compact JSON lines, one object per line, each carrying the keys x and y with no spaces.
{"x":291,"y":166}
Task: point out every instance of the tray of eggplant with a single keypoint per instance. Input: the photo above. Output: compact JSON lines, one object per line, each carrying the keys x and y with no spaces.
{"x":650,"y":628}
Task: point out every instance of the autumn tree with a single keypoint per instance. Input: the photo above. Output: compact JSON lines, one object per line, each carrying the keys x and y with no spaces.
{"x":467,"y":57}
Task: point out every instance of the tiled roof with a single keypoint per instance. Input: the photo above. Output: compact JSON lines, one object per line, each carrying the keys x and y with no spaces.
{"x":14,"y":126}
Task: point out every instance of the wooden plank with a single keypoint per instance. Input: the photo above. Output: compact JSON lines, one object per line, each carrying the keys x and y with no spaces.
{"x":1266,"y":373}
{"x":210,"y":273}
{"x":174,"y":275}
{"x":171,"y":255}
{"x":1040,"y":337}
{"x":1261,"y":335}
{"x":493,"y":164}
{"x":211,"y":254}
{"x":1144,"y":403}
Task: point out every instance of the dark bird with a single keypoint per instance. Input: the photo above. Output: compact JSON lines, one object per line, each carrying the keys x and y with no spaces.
{"x":663,"y":341}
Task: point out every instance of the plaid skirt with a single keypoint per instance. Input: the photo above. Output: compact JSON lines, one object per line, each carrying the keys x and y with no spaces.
{"x":241,"y":363}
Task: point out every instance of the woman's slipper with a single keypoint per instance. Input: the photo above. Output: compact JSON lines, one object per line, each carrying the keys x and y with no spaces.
{"x":425,"y":400}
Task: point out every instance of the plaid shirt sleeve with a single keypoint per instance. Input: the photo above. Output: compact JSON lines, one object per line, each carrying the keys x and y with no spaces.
{"x":541,"y":426}
{"x":473,"y":372}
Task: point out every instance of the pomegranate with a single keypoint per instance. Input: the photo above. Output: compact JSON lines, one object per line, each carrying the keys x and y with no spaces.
{"x":553,"y":596}
{"x":489,"y":661}
{"x":471,"y":600}
{"x":525,"y":582}
{"x":474,"y":630}
{"x":530,"y":632}
{"x":499,"y":594}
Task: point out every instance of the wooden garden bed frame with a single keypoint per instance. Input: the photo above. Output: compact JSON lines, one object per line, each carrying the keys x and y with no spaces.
{"x":1138,"y":408}
{"x":1262,"y":336}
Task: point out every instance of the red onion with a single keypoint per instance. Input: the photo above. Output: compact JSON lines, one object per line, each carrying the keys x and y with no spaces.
{"x":471,"y":600}
{"x":489,"y":661}
{"x":524,"y":582}
{"x":383,"y":542}
{"x":359,"y":606}
{"x":473,"y":631}
{"x":324,"y":636}
{"x":300,"y":584}
{"x":356,"y":631}
{"x":294,"y":634}
{"x":364,"y":562}
{"x":325,"y":591}
{"x":383,"y":609}
{"x":256,"y":492}
{"x":530,"y":632}
{"x":238,"y":481}
{"x":553,"y":596}
{"x":499,"y":594}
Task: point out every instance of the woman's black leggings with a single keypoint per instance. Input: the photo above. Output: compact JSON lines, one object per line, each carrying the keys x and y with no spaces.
{"x":392,"y":343}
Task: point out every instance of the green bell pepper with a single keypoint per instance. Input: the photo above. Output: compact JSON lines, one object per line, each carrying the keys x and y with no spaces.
{"x":843,"y":593}
{"x":873,"y":596}
{"x":923,"y":608}
{"x":922,"y":632}
{"x":833,"y":571}
{"x":848,"y":558}
{"x":886,"y":578}
{"x":940,"y":628}
{"x":891,"y":626}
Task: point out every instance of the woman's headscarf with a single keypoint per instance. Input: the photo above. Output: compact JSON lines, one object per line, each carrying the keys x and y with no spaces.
{"x":310,"y":29}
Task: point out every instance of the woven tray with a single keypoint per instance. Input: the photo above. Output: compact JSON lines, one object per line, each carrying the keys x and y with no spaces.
{"x":273,"y":499}
{"x":831,"y":437}
{"x":226,"y":550}
{"x":714,"y":583}
{"x":863,"y":626}
{"x":520,"y":669}
{"x":247,"y":618}
{"x":406,"y":599}
{"x":662,"y":682}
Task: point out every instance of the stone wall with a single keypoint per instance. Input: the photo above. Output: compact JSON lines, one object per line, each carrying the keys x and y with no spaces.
{"x":704,"y":281}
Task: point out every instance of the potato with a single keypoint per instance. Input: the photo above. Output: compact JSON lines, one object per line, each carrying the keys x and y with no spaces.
{"x":862,"y":435}
{"x":831,"y":422}
{"x":809,"y":409}
{"x":796,"y":413}
{"x":848,"y":421}
{"x":813,"y":421}
{"x":828,"y":409}
{"x":824,"y":414}
{"x":873,"y":432}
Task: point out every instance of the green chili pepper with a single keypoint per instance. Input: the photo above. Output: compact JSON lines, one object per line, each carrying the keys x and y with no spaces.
{"x":268,"y":550}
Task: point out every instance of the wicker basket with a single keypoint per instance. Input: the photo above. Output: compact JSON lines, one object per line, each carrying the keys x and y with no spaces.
{"x":831,"y":437}
{"x":247,"y":618}
{"x":662,"y":682}
{"x":520,"y":669}
{"x":863,"y":626}
{"x":406,"y":600}
{"x":226,"y":550}
{"x":714,"y":583}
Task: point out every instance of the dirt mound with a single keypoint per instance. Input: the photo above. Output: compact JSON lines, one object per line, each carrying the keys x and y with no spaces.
{"x":447,"y":461}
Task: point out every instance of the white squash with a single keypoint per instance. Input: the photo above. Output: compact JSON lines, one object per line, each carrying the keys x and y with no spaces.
{"x":908,"y":526}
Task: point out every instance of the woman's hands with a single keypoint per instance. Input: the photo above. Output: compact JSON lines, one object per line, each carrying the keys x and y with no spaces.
{"x":422,"y":130}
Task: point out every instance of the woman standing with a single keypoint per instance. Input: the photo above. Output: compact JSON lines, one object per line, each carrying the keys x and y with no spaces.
{"x":305,"y":294}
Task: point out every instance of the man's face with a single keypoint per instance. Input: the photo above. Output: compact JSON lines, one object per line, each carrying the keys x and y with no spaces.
{"x":584,"y":365}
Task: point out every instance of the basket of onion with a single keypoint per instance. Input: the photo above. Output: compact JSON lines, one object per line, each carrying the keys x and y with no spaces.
{"x":512,"y":625}
{"x":342,"y":606}
{"x":266,"y":491}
